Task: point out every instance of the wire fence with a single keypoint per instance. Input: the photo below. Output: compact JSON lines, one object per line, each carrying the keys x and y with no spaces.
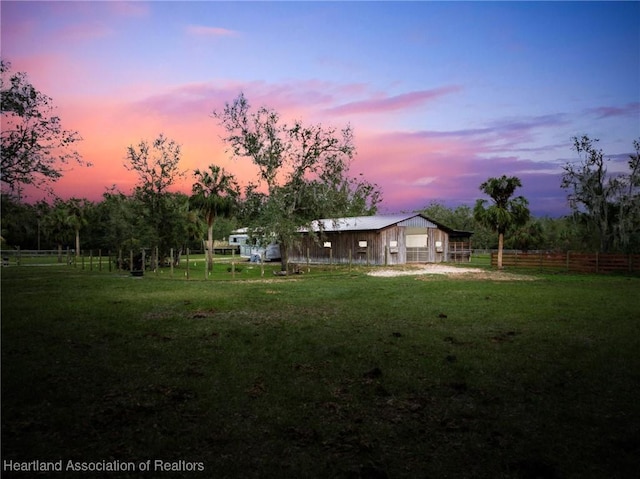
{"x":136,"y":262}
{"x":193,"y":262}
{"x":570,"y":261}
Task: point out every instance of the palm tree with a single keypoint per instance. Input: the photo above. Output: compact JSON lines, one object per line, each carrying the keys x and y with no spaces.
{"x":505,"y":211}
{"x":215,"y":194}
{"x":76,"y":218}
{"x":55,"y":225}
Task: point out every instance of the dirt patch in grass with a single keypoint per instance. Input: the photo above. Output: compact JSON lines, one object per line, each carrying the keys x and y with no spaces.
{"x":486,"y":276}
{"x":426,"y":271}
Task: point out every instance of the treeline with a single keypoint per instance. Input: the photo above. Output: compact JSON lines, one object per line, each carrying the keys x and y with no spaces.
{"x":605,"y":213}
{"x":121,"y":221}
{"x":605,"y":209}
{"x":116,"y":222}
{"x":545,"y":233}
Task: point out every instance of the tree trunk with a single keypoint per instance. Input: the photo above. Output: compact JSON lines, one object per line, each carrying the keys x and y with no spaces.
{"x":604,"y":235}
{"x":210,"y":247}
{"x":500,"y":246}
{"x":77,"y":243}
{"x":284,"y":257}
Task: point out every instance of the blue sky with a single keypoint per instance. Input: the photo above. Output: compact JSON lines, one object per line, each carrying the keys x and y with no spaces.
{"x":441,"y":95}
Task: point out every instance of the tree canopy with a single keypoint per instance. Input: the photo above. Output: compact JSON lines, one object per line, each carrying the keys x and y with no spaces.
{"x":165,"y":213}
{"x":605,"y":205}
{"x":35,"y":146}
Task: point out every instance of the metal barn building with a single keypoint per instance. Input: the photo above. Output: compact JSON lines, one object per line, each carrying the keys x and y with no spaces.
{"x":381,"y":240}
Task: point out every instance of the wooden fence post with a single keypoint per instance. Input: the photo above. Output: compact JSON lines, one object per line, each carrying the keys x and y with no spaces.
{"x":99,"y":259}
{"x":350,"y":258}
{"x":308,"y":261}
{"x":597,"y":261}
{"x":171,"y":261}
{"x":130,"y":260}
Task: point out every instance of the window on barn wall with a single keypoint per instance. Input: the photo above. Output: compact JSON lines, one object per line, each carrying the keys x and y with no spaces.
{"x":417,"y":241}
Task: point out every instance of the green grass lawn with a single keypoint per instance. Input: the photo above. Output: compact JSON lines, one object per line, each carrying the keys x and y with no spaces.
{"x":327,"y":374}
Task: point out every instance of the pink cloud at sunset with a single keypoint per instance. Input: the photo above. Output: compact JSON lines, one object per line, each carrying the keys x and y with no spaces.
{"x":631,"y":110}
{"x":434,"y":114}
{"x":403,"y":101}
{"x":210,"y":31}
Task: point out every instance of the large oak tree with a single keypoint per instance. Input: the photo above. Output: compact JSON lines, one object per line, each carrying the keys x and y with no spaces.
{"x":157,"y":165}
{"x":605,"y":205}
{"x":303,"y":172}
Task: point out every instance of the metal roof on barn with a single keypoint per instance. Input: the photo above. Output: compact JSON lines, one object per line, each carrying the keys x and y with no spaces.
{"x":372,"y":223}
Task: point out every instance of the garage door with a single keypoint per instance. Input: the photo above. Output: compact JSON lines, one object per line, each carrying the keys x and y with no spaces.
{"x":417,"y":248}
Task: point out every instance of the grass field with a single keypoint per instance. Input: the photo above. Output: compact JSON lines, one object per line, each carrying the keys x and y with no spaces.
{"x":327,"y":374}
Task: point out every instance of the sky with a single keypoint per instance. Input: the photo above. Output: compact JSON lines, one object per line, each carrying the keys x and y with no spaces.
{"x":440,"y":95}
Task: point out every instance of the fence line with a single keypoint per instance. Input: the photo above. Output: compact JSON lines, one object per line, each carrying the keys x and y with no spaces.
{"x":571,"y":261}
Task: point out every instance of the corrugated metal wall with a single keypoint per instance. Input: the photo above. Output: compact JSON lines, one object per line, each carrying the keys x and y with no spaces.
{"x":435,"y":250}
{"x":350,"y":246}
{"x":379,"y":250}
{"x":417,"y":222}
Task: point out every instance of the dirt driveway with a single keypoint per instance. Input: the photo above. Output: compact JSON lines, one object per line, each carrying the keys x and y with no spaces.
{"x":426,"y":270}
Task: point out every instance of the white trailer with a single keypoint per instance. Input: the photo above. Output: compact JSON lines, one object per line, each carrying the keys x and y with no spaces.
{"x":251,"y":251}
